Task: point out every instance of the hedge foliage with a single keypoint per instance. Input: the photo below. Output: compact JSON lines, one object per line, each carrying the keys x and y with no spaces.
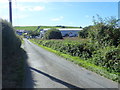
{"x":10,"y":42}
{"x":104,"y":31}
{"x":106,"y":34}
{"x":108,"y":57}
{"x":53,"y":34}
{"x":12,"y":57}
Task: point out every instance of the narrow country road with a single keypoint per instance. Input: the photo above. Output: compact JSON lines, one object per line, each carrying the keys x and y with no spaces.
{"x":47,"y":70}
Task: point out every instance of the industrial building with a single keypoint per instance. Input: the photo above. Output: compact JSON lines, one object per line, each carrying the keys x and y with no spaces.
{"x":71,"y":32}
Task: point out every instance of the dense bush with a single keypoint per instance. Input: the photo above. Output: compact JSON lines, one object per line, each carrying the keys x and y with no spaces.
{"x":103,"y":49}
{"x":10,"y":43}
{"x":85,"y":32}
{"x":82,"y":34}
{"x":104,"y":31}
{"x":53,"y":34}
{"x":83,"y":50}
{"x":106,"y":35}
{"x":12,"y":57}
{"x":108,"y":57}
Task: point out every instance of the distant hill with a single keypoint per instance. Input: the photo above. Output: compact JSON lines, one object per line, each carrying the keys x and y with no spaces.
{"x":30,"y":28}
{"x":33,"y":28}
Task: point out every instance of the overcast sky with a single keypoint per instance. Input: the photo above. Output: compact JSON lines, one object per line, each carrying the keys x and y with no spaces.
{"x":47,"y":13}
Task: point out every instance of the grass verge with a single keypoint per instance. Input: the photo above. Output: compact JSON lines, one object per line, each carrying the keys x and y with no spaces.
{"x":99,"y":70}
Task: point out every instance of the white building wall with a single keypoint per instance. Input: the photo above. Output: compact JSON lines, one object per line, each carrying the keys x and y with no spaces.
{"x":72,"y":32}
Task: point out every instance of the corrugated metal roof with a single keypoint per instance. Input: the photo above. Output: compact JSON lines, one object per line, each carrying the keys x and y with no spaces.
{"x":65,"y":29}
{"x":72,"y":29}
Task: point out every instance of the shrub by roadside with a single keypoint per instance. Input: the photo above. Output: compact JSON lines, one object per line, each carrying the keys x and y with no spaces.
{"x":12,"y":57}
{"x":53,"y":34}
{"x":106,"y":58}
{"x":102,"y":49}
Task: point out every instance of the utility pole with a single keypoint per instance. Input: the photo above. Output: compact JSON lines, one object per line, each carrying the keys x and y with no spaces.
{"x":10,"y":11}
{"x":119,"y":14}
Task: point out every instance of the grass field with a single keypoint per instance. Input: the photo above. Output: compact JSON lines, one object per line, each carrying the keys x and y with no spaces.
{"x":33,"y":28}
